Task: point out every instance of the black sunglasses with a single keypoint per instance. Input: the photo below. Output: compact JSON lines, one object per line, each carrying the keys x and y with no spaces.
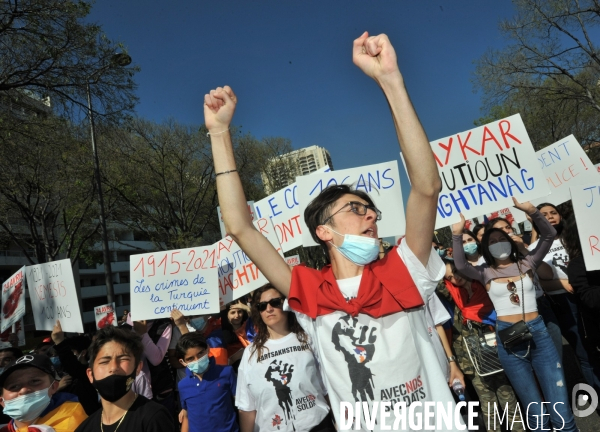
{"x":276,"y":302}
{"x":357,"y":208}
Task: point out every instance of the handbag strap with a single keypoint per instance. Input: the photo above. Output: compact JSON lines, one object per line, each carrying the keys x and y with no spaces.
{"x":522,"y":290}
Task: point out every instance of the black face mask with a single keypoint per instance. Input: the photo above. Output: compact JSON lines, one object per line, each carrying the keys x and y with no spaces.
{"x":559,"y":227}
{"x":114,"y":387}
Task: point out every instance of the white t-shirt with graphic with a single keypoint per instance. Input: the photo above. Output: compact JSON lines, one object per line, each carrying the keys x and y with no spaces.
{"x":557,"y":258}
{"x":388,"y":359}
{"x":284,"y":387}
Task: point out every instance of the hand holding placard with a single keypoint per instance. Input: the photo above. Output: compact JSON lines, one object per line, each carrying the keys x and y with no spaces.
{"x":57,"y":333}
{"x":458,"y":227}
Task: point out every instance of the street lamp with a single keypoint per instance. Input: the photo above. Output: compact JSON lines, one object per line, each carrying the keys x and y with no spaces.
{"x":117,"y":60}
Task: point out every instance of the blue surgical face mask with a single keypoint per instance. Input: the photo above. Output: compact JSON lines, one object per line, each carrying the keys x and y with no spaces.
{"x":358,"y":249}
{"x":28,"y":407}
{"x":55,"y":361}
{"x":470,"y":248}
{"x":199,"y":366}
{"x":441,"y":252}
{"x":198,"y":323}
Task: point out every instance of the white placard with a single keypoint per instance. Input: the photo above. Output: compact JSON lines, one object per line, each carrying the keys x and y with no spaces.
{"x":184,"y":279}
{"x":586,"y":206}
{"x":238,"y":275}
{"x":597,"y":168}
{"x":220,"y":216}
{"x":105,"y":316}
{"x":564,"y":164}
{"x":283,"y":208}
{"x":19,"y":329}
{"x":13,"y":299}
{"x":483,"y":167}
{"x":380,"y":181}
{"x":53,"y":296}
{"x":511,"y":216}
{"x":293,"y":260}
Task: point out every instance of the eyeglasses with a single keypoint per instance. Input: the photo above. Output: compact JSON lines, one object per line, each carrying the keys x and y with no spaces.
{"x":357,"y":208}
{"x":514,"y":297}
{"x":276,"y":302}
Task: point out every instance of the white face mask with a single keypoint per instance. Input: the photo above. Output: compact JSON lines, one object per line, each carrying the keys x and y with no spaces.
{"x":500,"y":250}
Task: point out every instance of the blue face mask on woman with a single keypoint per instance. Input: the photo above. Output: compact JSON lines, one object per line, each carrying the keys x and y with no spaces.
{"x":358,"y":249}
{"x":198,"y":323}
{"x":28,"y":407}
{"x":199,"y":366}
{"x":470,"y":248}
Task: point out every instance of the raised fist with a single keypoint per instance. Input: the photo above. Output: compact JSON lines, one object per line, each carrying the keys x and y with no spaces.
{"x":375,"y":56}
{"x":219,"y":106}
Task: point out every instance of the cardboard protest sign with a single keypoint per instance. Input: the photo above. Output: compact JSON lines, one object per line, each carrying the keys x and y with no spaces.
{"x":283,"y":208}
{"x":597,"y":168}
{"x":222,"y":225}
{"x":482,"y":168}
{"x":586,"y":206}
{"x":237,"y":273}
{"x":380,"y":181}
{"x":293,"y":260}
{"x":564,"y":164}
{"x":13,"y":299}
{"x":184,"y":279}
{"x":53,"y":296}
{"x":105,"y":316}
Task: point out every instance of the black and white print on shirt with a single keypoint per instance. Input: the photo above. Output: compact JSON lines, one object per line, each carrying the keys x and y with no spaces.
{"x":280,"y":375}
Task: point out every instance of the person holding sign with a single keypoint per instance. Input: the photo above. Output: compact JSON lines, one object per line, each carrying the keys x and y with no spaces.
{"x":355,"y":295}
{"x":524,"y":344}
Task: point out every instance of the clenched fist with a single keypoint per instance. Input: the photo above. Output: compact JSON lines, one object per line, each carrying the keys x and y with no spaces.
{"x":375,"y":56}
{"x":219,"y":106}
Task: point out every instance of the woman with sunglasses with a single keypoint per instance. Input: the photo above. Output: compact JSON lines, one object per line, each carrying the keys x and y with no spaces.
{"x":279,"y":385}
{"x":508,"y":279}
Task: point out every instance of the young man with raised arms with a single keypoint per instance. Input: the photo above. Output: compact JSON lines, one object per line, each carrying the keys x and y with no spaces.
{"x":365,"y":317}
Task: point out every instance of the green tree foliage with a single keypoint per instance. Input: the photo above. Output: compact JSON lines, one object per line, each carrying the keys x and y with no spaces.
{"x":549,"y":72}
{"x":160,"y":179}
{"x":47,"y":49}
{"x":47,"y":194}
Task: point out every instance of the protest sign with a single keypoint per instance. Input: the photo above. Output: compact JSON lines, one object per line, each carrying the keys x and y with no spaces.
{"x":284,"y":210}
{"x":586,"y":206}
{"x":13,"y":299}
{"x":105,"y":316}
{"x":380,"y":181}
{"x":53,"y":296}
{"x":293,"y":260}
{"x":597,"y":168}
{"x":220,"y":216}
{"x":483,"y":167}
{"x":237,"y":273}
{"x":469,"y":224}
{"x":184,"y":279}
{"x":513,"y":216}
{"x":564,"y":164}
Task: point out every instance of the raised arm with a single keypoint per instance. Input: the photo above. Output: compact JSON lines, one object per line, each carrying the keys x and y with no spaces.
{"x":219,"y":107}
{"x":546,"y":231}
{"x":376,"y":57}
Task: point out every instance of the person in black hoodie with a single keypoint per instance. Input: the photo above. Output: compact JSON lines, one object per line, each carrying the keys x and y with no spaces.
{"x":75,"y":366}
{"x":587,"y":290}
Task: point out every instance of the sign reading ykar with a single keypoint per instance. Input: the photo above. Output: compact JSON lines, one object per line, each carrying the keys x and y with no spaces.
{"x":564,"y":164}
{"x":283,"y":208}
{"x":53,"y":296}
{"x":380,"y":181}
{"x":237,"y":273}
{"x":586,"y":206}
{"x":483,"y":167}
{"x":184,"y":279}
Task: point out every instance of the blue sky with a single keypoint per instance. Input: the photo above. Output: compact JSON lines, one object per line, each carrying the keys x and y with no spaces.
{"x":290,"y":64}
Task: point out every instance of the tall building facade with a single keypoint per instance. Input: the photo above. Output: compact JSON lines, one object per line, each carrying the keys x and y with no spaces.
{"x":283,"y":170}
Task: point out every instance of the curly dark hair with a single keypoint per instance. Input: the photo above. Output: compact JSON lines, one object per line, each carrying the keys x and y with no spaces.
{"x":262,"y":332}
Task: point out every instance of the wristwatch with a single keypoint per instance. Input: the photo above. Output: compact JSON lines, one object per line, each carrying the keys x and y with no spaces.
{"x":452,"y":359}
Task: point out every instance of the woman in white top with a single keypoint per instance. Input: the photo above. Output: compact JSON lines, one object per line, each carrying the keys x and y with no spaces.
{"x":279,"y":386}
{"x":508,"y":278}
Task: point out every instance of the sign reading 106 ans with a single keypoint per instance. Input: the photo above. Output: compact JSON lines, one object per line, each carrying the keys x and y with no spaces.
{"x":184,"y":279}
{"x":53,"y":296}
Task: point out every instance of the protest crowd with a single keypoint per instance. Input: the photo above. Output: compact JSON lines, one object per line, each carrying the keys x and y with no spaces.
{"x":378,"y":324}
